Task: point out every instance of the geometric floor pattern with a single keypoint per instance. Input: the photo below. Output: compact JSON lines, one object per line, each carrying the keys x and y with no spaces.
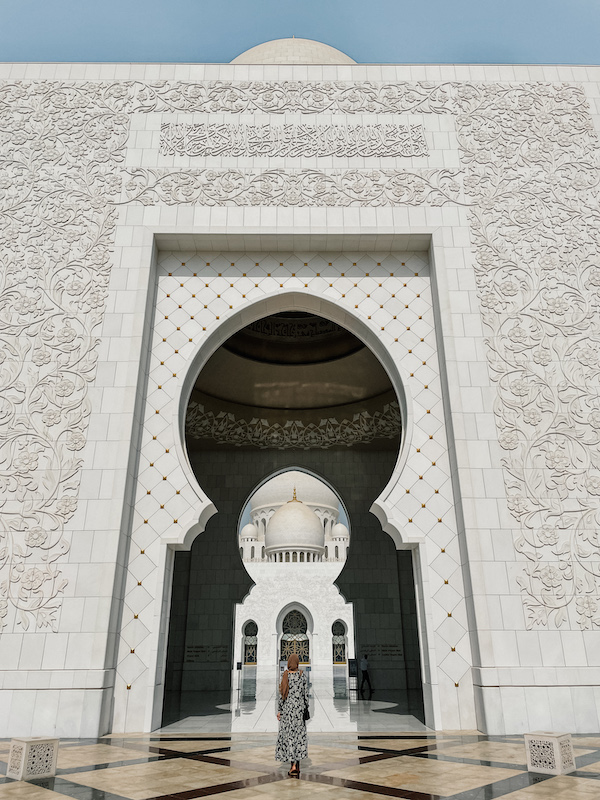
{"x":440,"y":766}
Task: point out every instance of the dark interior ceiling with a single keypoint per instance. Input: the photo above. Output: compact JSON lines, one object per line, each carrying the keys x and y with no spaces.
{"x":293,"y":367}
{"x":293,"y":338}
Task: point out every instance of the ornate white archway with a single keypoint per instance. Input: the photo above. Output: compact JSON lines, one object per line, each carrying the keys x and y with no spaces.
{"x":274,"y":303}
{"x":192,"y":520}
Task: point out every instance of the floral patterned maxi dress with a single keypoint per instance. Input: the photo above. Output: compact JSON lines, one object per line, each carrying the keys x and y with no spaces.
{"x":292,"y":742}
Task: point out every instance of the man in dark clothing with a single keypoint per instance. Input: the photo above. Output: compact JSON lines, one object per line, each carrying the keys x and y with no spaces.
{"x":364,"y":668}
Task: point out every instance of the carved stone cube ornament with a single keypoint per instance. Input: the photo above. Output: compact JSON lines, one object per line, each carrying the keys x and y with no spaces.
{"x":32,"y":757}
{"x":550,"y":753}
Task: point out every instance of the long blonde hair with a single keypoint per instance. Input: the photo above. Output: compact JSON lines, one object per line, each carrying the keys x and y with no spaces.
{"x":284,"y":687}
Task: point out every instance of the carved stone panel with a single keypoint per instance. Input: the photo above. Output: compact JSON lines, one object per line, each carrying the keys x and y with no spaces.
{"x":60,"y":150}
{"x":302,"y":187}
{"x":292,"y":141}
{"x":532,"y":157}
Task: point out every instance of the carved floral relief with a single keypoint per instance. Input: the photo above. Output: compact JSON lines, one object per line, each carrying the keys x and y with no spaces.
{"x":269,"y":97}
{"x":59,"y":172}
{"x":302,"y":187}
{"x":224,"y":427}
{"x":532,"y":159}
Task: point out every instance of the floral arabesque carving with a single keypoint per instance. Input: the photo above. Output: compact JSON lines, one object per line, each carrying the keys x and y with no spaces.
{"x":277,"y":97}
{"x":303,"y":187}
{"x":224,"y":428}
{"x":59,"y":153}
{"x":532,"y":158}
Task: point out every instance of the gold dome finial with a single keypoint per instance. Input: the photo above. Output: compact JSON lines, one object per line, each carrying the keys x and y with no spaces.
{"x":294,"y":498}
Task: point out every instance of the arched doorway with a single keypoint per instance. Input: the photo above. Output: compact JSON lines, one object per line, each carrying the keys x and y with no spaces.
{"x":292,"y":388}
{"x":250,"y":643}
{"x":338,"y":642}
{"x":294,"y":637}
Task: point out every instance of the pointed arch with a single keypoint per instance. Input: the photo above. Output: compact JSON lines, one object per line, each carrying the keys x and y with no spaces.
{"x":279,"y":302}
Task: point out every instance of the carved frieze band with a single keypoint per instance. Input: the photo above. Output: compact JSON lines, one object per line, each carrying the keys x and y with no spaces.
{"x":292,"y":141}
{"x":224,"y":428}
{"x":303,"y":187}
{"x":277,"y":97}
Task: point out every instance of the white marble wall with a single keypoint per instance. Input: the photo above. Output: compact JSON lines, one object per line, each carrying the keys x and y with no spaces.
{"x":509,"y":212}
{"x":307,"y":587}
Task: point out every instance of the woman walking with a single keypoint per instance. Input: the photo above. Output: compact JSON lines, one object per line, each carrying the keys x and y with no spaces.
{"x":292,"y":744}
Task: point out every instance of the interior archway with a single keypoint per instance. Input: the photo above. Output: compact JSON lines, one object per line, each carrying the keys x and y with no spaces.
{"x":294,"y":637}
{"x":291,"y":388}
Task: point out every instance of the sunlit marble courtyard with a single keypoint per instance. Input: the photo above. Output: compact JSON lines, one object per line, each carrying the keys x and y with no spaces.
{"x":341,"y":766}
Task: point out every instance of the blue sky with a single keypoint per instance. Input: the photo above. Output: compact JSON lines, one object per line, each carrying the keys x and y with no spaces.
{"x":396,"y":31}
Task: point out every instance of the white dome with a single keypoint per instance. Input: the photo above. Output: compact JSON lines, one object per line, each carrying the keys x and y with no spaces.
{"x":280,"y":489}
{"x":294,"y":527}
{"x":293,"y":51}
{"x":340,"y":531}
{"x":249,"y":531}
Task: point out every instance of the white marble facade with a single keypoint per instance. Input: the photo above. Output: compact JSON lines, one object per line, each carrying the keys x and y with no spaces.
{"x":497,"y":218}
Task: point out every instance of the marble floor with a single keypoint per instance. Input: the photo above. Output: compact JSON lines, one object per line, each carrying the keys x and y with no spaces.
{"x":251,"y":706}
{"x":341,"y":766}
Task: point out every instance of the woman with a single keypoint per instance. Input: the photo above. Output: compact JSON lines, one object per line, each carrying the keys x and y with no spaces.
{"x":292,"y":744}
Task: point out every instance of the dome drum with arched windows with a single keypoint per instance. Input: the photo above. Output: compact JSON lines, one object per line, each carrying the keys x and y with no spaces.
{"x":294,"y":529}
